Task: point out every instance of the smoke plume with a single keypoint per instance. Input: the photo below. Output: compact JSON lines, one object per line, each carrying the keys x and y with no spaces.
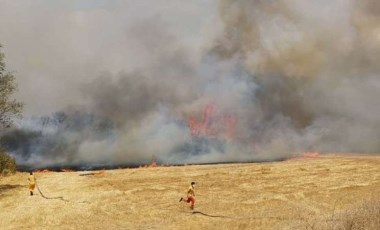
{"x":237,"y":81}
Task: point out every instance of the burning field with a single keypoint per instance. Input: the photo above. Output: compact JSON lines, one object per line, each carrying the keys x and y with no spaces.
{"x":325,"y":192}
{"x":244,"y":97}
{"x":247,"y":81}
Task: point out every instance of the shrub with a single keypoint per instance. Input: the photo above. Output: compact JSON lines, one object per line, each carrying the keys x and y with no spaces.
{"x":364,"y":215}
{"x":7,"y":164}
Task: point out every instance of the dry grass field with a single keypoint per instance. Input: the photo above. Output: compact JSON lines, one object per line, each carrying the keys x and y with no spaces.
{"x":328,"y":192}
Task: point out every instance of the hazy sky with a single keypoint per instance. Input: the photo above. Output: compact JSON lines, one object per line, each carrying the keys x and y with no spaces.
{"x":54,"y":46}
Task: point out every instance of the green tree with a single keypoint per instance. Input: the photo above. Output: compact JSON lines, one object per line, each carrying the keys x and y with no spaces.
{"x":9,"y":107}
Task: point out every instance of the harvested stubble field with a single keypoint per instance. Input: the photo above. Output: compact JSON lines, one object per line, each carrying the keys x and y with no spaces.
{"x":320,"y":193}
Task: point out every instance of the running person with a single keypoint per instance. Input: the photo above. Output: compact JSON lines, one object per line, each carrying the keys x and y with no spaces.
{"x":190,"y":196}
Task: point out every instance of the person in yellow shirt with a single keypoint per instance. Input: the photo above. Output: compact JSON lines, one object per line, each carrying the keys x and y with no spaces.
{"x":32,"y":183}
{"x":190,"y":196}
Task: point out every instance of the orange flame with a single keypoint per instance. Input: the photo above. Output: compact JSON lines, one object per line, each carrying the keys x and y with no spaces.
{"x":43,"y":171}
{"x":213,"y":124}
{"x":67,"y":170}
{"x":310,"y":155}
{"x":154,"y":164}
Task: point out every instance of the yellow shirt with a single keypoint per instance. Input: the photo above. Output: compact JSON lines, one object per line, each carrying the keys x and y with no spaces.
{"x":31,"y":179}
{"x":190,"y":192}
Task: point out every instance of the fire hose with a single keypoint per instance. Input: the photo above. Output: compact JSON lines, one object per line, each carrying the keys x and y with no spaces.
{"x":57,"y":197}
{"x":167,"y":208}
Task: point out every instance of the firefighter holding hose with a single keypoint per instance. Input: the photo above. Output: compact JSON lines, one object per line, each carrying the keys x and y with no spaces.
{"x":190,"y":196}
{"x":32,"y":183}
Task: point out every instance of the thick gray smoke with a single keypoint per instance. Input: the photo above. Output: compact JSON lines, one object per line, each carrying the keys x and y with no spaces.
{"x":247,"y":80}
{"x":315,"y":63}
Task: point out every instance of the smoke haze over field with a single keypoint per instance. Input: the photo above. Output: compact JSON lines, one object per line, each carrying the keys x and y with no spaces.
{"x":117,"y":82}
